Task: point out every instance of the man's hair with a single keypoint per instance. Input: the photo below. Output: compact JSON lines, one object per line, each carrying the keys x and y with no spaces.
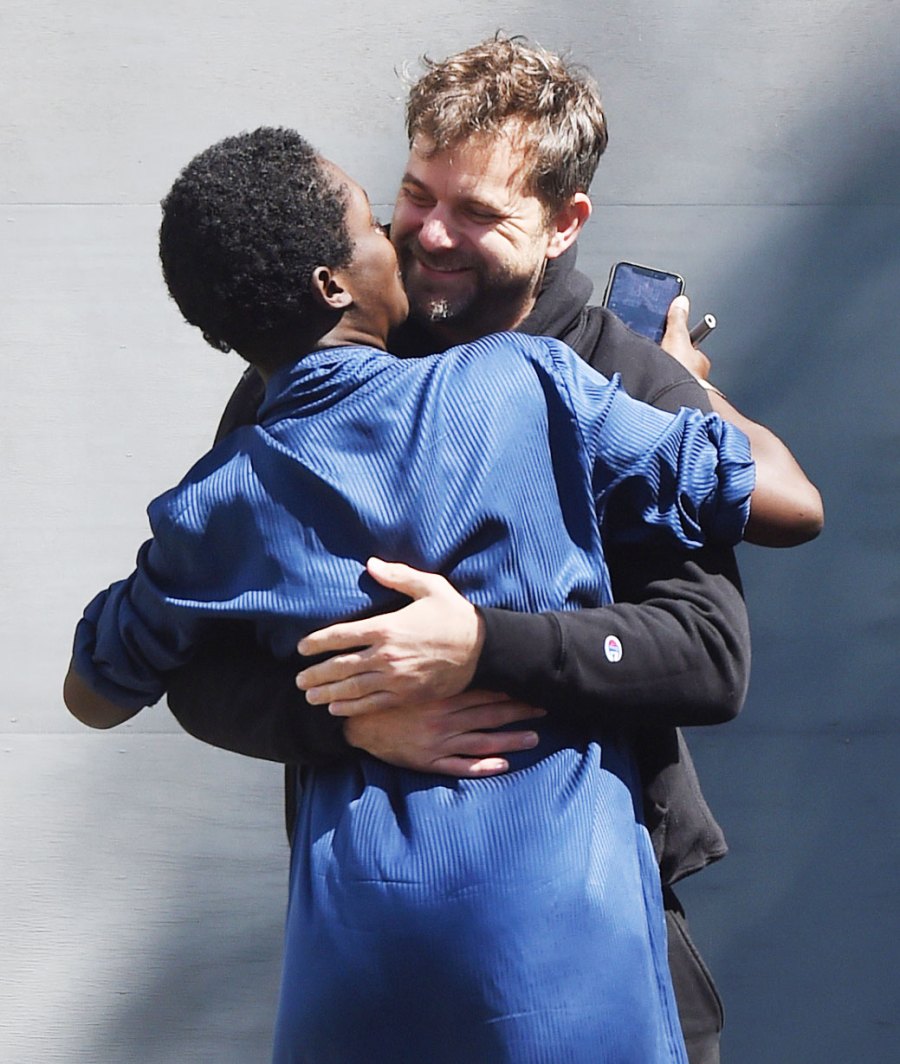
{"x":504,"y":84}
{"x":243,"y":228}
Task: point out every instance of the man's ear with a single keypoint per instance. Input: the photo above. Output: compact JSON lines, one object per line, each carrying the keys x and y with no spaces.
{"x":328,"y":289}
{"x":567,"y":223}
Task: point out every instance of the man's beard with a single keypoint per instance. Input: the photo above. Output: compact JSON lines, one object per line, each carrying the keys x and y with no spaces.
{"x":493,"y":300}
{"x":433,"y":308}
{"x":436,"y":310}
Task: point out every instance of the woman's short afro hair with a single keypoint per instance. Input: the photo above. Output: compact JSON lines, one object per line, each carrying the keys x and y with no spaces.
{"x":243,"y":228}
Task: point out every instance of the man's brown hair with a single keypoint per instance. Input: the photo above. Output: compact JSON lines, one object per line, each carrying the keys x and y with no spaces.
{"x":507,"y":85}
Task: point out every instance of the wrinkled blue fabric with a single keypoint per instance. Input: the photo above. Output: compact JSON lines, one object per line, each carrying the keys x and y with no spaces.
{"x":438,"y":921}
{"x":493,"y":463}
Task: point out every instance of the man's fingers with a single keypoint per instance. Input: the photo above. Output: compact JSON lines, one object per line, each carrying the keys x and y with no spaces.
{"x":679,"y":311}
{"x":480,"y":717}
{"x":492,"y":744}
{"x":441,"y":736}
{"x":357,"y":707}
{"x":703,"y":365}
{"x":333,"y":670}
{"x":470,"y":768}
{"x":403,"y":578}
{"x":346,"y":636}
{"x":677,"y":333}
{"x":676,"y":340}
{"x":470,"y":711}
{"x":347,"y":696}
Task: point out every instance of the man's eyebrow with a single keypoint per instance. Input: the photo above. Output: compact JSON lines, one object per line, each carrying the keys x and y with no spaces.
{"x":466,"y":201}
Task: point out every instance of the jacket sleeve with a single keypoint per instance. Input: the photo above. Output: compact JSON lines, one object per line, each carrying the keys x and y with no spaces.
{"x":235,"y":695}
{"x":673,"y":651}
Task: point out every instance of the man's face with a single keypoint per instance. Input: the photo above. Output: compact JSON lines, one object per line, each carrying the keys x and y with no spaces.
{"x":373,"y":274}
{"x":472,"y":241}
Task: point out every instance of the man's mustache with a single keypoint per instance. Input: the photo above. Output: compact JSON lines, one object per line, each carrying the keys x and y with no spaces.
{"x":444,"y":261}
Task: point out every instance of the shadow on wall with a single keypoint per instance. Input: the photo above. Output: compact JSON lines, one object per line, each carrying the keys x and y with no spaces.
{"x":799,"y":923}
{"x":823,"y":355}
{"x":207,"y":994}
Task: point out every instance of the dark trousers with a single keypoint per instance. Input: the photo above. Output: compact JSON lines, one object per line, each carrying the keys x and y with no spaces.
{"x":699,"y":1004}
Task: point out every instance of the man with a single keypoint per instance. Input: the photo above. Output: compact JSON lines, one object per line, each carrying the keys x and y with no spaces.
{"x":504,"y":142}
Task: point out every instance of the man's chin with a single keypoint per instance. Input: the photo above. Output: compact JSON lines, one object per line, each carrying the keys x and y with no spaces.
{"x":435,"y":310}
{"x":429,"y":304}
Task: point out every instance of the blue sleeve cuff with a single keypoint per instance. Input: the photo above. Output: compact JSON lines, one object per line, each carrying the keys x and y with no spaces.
{"x":99,"y":669}
{"x":737,"y":479}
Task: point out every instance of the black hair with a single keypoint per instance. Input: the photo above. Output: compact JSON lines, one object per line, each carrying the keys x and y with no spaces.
{"x":244,"y":226}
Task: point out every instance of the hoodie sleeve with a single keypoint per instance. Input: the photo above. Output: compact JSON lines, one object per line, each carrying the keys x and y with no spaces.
{"x":672,"y":651}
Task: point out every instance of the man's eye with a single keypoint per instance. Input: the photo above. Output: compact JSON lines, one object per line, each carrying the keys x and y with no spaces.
{"x":417,"y":198}
{"x":483,"y":217}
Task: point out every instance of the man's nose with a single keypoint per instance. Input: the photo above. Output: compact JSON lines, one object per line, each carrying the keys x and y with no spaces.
{"x":437,"y":233}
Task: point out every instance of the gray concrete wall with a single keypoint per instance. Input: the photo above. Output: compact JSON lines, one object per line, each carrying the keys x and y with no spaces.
{"x":755,"y":148}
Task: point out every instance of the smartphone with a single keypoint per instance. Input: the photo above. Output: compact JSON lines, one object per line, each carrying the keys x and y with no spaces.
{"x":640,"y":296}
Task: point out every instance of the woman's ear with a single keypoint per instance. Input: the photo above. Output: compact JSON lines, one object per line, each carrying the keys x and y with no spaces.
{"x":328,"y":289}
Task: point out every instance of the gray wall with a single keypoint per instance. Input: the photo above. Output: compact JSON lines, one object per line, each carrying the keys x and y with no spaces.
{"x":755,"y":150}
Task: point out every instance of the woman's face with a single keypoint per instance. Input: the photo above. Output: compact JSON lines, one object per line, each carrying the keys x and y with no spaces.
{"x":373,"y":274}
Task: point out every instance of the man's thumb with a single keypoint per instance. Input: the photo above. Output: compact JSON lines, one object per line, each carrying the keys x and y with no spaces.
{"x":680,"y":306}
{"x":400,"y":577}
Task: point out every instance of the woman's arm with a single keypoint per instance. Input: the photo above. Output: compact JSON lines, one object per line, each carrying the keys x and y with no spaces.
{"x":787,"y":507}
{"x":92,"y":708}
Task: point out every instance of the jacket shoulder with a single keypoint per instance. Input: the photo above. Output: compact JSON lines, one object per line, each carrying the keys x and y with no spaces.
{"x":647,"y":372}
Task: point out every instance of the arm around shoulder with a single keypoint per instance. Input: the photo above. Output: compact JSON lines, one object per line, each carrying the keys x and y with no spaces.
{"x":787,"y":508}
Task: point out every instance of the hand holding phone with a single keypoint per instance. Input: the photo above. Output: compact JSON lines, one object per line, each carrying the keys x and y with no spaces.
{"x":641,"y":297}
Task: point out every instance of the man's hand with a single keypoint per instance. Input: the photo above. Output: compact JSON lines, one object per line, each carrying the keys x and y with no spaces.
{"x":446,"y":736}
{"x":676,"y":340}
{"x":425,"y":651}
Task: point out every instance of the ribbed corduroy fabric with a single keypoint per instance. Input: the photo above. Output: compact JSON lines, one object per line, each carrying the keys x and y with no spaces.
{"x":492,"y":463}
{"x":515,"y":919}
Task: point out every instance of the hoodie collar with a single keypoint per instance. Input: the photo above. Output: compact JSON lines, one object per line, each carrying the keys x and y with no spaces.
{"x":563,"y":295}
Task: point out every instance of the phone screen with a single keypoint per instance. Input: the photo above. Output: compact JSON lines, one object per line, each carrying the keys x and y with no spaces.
{"x":640,"y":296}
